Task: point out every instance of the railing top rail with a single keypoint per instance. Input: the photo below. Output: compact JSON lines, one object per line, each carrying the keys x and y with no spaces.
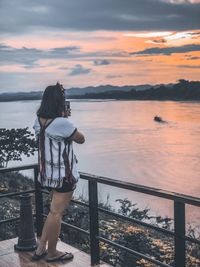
{"x":143,"y":189}
{"x":122,"y":184}
{"x":18,"y":168}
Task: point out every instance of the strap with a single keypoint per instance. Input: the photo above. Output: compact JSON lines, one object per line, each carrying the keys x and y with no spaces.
{"x":45,"y":125}
{"x":41,"y":153}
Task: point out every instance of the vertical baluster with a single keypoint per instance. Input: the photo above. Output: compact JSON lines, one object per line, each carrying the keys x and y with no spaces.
{"x":38,"y":204}
{"x":179,"y":230}
{"x":94,"y":222}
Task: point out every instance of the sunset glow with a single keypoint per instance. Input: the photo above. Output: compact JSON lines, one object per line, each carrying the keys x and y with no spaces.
{"x":82,"y":56}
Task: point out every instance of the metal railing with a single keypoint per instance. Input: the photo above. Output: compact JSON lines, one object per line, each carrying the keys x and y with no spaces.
{"x":179,"y":201}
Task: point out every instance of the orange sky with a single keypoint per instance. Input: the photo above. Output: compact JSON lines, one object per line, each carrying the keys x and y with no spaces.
{"x":98,"y":57}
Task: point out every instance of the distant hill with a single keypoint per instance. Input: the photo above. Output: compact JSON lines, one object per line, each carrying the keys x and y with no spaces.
{"x":105,"y":88}
{"x":183,"y":90}
{"x":21,"y":96}
{"x":35,"y":95}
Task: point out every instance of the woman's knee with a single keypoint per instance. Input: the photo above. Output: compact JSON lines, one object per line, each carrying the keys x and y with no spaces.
{"x":60,"y":201}
{"x":56,"y":213}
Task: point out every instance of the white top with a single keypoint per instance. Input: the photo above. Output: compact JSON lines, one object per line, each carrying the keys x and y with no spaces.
{"x":58,"y":130}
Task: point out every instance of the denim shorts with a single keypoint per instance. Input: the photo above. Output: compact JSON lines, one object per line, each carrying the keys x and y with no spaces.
{"x":66,"y":187}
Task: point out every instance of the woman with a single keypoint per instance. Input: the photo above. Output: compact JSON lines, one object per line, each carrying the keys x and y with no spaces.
{"x":57,"y":166}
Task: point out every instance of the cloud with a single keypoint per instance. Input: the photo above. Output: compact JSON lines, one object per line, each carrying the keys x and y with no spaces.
{"x":113,"y":76}
{"x":165,"y":36}
{"x":60,"y":51}
{"x":99,"y":62}
{"x":167,"y":50}
{"x":24,"y":56}
{"x":148,"y":34}
{"x":78,"y":70}
{"x":182,"y":35}
{"x":157,"y":41}
{"x":190,"y":57}
{"x":189,"y":66}
{"x":90,"y":15}
{"x":28,"y":57}
{"x":182,"y":1}
{"x":193,"y":58}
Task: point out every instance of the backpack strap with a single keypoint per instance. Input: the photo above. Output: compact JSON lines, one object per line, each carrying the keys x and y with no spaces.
{"x":68,"y":167}
{"x":41,"y":150}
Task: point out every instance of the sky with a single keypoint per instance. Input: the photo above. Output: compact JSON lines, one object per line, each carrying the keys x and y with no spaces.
{"x":90,"y":42}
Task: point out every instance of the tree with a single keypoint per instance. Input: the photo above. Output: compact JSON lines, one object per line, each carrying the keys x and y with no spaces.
{"x":14,"y":143}
{"x":183,"y":82}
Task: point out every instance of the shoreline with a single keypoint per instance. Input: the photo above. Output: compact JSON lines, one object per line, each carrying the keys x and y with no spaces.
{"x":107,"y":100}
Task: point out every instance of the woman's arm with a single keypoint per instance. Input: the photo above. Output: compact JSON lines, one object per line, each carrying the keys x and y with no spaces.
{"x":78,"y":137}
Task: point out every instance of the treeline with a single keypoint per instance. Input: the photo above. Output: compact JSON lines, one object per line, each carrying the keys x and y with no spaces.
{"x":21,"y":96}
{"x":183,"y":90}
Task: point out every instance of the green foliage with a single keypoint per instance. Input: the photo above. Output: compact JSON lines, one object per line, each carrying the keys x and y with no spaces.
{"x":9,"y":206}
{"x":14,"y":143}
{"x":129,"y":209}
{"x":14,"y":182}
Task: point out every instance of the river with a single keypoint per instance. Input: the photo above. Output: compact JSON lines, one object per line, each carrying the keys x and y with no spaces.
{"x":125,"y":143}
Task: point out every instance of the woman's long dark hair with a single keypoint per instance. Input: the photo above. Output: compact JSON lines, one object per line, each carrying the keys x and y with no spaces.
{"x":53,"y":102}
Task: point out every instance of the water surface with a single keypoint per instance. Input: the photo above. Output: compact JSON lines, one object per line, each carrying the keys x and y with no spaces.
{"x":124,"y":142}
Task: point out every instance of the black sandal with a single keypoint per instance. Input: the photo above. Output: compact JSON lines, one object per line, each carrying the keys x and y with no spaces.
{"x":63,"y":257}
{"x":37,"y":257}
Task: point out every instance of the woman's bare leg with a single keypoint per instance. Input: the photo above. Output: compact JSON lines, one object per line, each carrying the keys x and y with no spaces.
{"x":42,"y":240}
{"x":51,"y":229}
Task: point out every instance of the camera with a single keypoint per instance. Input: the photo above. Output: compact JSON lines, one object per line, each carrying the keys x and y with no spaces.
{"x":67,"y":105}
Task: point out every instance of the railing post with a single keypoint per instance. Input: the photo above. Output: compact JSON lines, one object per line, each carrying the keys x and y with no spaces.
{"x":38,"y":204}
{"x":179,"y":230}
{"x":26,"y":240}
{"x":94,"y":222}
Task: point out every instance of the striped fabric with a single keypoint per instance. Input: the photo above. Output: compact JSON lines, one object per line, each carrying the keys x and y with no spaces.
{"x":56,"y":158}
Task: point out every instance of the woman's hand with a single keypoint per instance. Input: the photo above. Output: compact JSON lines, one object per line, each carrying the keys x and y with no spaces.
{"x":66,"y":113}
